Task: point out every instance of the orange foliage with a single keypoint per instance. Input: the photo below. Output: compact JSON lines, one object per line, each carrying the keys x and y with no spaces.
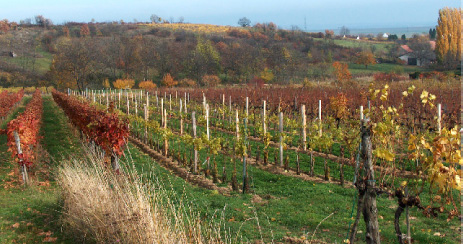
{"x":341,"y":71}
{"x":124,"y":83}
{"x":4,"y":26}
{"x":84,"y":30}
{"x":260,"y":37}
{"x":168,"y":81}
{"x":239,"y":33}
{"x":338,"y":104}
{"x":366,"y":58}
{"x":147,"y":85}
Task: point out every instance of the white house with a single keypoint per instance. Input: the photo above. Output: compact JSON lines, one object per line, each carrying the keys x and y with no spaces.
{"x":385,"y":35}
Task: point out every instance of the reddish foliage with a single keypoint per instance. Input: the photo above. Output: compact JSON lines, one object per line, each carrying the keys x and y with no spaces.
{"x":106,"y":130}
{"x":257,"y":81}
{"x":8,"y":100}
{"x":27,"y":125}
{"x":356,"y":97}
{"x":239,"y":33}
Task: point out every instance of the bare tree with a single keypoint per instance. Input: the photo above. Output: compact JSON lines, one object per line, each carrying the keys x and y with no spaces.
{"x":422,"y":50}
{"x":243,"y":22}
{"x":155,"y":19}
{"x":344,"y":31}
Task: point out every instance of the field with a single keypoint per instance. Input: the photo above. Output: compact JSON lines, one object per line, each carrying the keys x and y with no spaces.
{"x":285,"y":197}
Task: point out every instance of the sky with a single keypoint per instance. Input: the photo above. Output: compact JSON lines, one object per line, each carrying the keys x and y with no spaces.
{"x":306,"y":14}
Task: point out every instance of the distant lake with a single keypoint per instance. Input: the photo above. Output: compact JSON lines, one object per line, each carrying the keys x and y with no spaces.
{"x":408,"y":31}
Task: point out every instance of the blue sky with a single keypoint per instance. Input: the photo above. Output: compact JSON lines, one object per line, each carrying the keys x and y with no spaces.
{"x":319,"y":14}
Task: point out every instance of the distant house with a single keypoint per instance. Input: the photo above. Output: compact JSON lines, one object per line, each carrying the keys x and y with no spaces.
{"x":407,"y":55}
{"x":385,"y":35}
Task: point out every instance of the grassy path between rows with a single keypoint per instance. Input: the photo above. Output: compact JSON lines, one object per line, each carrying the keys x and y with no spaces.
{"x":284,"y":206}
{"x":31,"y":215}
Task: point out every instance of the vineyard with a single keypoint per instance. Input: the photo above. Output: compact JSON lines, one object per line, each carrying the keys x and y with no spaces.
{"x":219,"y":139}
{"x":277,"y":164}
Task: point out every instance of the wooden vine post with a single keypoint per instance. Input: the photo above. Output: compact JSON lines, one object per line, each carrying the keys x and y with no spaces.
{"x":245,"y":173}
{"x":181,"y":118}
{"x":136,"y":108}
{"x":370,"y":211}
{"x":439,"y":118}
{"x":128,"y":107}
{"x":145,"y":108}
{"x":264,"y":125}
{"x":247,"y":107}
{"x":207,"y":121}
{"x":195,"y":162}
{"x":166,"y":141}
{"x":320,"y":117}
{"x":162,"y":111}
{"x":23,"y":166}
{"x":237,"y":126}
{"x":208,"y":138}
{"x":119,"y":101}
{"x":229,"y":109}
{"x":186,"y":110}
{"x":304,"y":128}
{"x":223,"y":106}
{"x":281,"y":138}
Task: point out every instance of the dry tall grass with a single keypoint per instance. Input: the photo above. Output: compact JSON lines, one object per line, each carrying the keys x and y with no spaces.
{"x":125,"y":208}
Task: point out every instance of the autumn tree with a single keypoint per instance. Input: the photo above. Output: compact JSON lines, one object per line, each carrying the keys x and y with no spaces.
{"x":266,"y":75}
{"x":66,"y":31}
{"x":147,"y":85}
{"x":4,"y":26}
{"x":210,"y":80}
{"x":74,"y":63}
{"x":365,"y":58}
{"x":341,"y":71}
{"x":187,"y":82}
{"x":168,"y":81}
{"x":329,"y":34}
{"x":123,"y":83}
{"x":448,"y":38}
{"x":84,"y":30}
{"x":106,"y":83}
{"x":204,"y":59}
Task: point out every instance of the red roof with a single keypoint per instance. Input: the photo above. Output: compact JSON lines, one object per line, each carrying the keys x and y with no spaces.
{"x":433,"y":45}
{"x":406,"y":48}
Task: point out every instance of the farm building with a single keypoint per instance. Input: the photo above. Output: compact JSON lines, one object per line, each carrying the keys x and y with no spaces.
{"x":411,"y":58}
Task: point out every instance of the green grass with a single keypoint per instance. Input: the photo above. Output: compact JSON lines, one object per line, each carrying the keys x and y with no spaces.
{"x":378,"y":46}
{"x":35,"y":210}
{"x":41,"y":66}
{"x":383,"y":67}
